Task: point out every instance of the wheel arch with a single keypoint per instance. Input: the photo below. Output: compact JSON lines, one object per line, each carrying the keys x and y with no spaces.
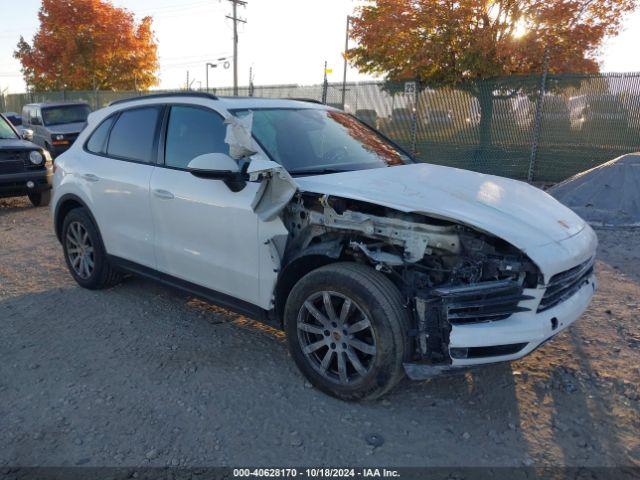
{"x":293,"y":271}
{"x":67,"y":203}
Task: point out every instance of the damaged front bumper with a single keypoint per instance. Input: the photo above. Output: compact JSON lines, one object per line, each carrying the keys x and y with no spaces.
{"x":504,"y":339}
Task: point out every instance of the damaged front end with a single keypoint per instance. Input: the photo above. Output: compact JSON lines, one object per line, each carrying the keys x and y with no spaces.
{"x":448,"y":273}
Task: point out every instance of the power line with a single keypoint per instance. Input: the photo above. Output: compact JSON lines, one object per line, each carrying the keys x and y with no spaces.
{"x":164,"y":62}
{"x":236,"y":20}
{"x":171,"y":14}
{"x":174,"y":8}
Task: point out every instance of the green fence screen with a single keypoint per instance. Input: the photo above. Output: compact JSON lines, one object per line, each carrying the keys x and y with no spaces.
{"x":489,"y":126}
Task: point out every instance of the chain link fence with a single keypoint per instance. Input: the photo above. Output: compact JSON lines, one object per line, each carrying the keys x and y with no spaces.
{"x":501,"y":126}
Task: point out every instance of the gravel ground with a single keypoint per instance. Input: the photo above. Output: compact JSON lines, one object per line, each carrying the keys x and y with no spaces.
{"x":141,"y":375}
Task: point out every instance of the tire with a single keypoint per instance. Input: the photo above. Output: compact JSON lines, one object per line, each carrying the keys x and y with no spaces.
{"x":375,"y":301}
{"x":41,"y":199}
{"x":99,"y":272}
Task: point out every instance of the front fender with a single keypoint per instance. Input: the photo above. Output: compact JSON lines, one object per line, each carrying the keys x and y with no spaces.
{"x":301,"y":263}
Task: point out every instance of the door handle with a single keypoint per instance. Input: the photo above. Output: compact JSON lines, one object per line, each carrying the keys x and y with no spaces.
{"x":164,"y":194}
{"x":90,"y":177}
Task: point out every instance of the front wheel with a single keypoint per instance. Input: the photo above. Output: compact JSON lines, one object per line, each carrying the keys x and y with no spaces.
{"x":347,"y":330}
{"x":41,"y":199}
{"x":84,"y":252}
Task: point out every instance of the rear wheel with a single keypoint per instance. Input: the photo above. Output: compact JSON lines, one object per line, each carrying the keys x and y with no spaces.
{"x":347,"y":330}
{"x":41,"y":199}
{"x":84,"y":252}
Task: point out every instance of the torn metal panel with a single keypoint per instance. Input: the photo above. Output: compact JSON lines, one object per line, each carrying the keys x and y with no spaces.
{"x":276,"y":190}
{"x":273,"y":239}
{"x":238,"y":136}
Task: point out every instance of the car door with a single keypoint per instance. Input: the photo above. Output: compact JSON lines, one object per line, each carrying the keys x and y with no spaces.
{"x":204,"y":233}
{"x":122,"y":153}
{"x":37,"y":125}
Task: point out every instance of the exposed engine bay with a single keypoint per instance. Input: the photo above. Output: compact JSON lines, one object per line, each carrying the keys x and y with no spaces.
{"x":447,"y":272}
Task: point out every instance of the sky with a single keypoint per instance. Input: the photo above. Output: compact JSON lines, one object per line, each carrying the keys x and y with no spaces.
{"x":285,"y":41}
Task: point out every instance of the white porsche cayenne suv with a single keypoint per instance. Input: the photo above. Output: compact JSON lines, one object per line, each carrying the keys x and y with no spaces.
{"x":299,"y":215}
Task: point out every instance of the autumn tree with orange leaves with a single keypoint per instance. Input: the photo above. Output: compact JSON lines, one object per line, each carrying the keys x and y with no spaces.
{"x":457,"y":42}
{"x":89,"y":44}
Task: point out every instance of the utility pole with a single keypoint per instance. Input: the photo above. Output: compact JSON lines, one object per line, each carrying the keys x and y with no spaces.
{"x":189,"y":82}
{"x":235,"y":19}
{"x":344,"y":72}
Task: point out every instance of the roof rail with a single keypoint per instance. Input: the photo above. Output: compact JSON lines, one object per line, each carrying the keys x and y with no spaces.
{"x":308,"y":100}
{"x":167,"y":94}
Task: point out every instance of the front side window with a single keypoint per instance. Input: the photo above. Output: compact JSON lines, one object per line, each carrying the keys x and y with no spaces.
{"x":32,"y":113}
{"x":6,"y":132}
{"x":132,"y":137}
{"x":321,"y":141}
{"x":192,"y":132}
{"x":65,"y":114}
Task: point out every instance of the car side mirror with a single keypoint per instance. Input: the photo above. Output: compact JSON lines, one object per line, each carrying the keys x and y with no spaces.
{"x":218,"y":166}
{"x":27,"y":134}
{"x":36,"y":121}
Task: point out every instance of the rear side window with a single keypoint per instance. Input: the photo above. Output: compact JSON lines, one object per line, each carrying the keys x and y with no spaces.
{"x":192,"y":132}
{"x":132,"y":136}
{"x":98,"y":141}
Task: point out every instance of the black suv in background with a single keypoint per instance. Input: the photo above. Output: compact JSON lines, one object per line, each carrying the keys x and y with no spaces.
{"x":25,"y":168}
{"x":55,"y":126}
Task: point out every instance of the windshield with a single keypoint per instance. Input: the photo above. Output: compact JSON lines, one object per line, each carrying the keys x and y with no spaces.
{"x":6,"y":132}
{"x":321,"y":141}
{"x":65,"y":114}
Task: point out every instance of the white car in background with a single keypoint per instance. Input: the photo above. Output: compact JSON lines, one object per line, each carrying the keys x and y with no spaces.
{"x":298,"y":214}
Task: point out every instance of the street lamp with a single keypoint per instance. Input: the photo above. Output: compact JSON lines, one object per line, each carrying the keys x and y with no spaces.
{"x":225,"y":64}
{"x":208,"y":66}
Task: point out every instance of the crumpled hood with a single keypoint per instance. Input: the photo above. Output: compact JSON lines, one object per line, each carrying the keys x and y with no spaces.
{"x":520,"y":214}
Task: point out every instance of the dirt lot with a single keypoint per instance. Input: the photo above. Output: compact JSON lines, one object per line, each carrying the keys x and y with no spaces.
{"x":141,"y":375}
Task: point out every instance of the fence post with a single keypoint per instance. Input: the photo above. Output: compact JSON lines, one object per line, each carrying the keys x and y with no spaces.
{"x":538,"y":118}
{"x":414,"y":120}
